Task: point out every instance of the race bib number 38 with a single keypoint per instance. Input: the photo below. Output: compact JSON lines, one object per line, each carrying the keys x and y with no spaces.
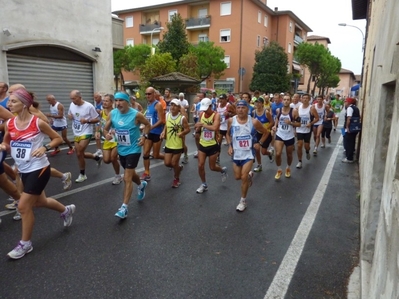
{"x":21,"y":150}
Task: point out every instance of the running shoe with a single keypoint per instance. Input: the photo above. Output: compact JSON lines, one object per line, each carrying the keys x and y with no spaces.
{"x":271,"y":154}
{"x":196,"y":154}
{"x":287,"y":172}
{"x":67,"y":215}
{"x":19,"y":251}
{"x":224,"y":174}
{"x":117,"y":180}
{"x":242,"y":205}
{"x":67,"y":182}
{"x":141,"y":191}
{"x":347,"y":161}
{"x":99,"y":161}
{"x":71,"y":151}
{"x":176,"y":183}
{"x":122,"y":212}
{"x":12,"y":206}
{"x":98,"y":152}
{"x":17,"y":215}
{"x":315,"y":152}
{"x":81,"y":178}
{"x":55,"y":151}
{"x":258,"y":168}
{"x":185,"y":159}
{"x":250,"y":176}
{"x":145,"y":177}
{"x":202,"y":188}
{"x":299,"y":165}
{"x":225,"y":142}
{"x":10,"y":198}
{"x":307,"y":156}
{"x":278,"y":174}
{"x":323,"y":146}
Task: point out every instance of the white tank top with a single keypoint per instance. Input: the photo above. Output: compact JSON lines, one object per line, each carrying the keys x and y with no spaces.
{"x":57,"y":122}
{"x":304,"y":114}
{"x":223,"y":122}
{"x":320,"y":112}
{"x":285,"y":131}
{"x":242,"y":139}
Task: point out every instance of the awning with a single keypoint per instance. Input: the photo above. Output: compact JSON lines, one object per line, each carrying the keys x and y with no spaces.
{"x":355,"y":87}
{"x":296,"y":67}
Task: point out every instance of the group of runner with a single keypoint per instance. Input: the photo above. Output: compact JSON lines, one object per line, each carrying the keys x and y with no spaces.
{"x":249,"y":126}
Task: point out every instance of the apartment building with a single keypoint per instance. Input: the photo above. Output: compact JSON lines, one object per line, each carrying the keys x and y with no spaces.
{"x":240,"y":27}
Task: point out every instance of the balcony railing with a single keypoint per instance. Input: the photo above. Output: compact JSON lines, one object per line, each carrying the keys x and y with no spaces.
{"x":147,"y":28}
{"x":194,"y":23}
{"x":298,"y":39}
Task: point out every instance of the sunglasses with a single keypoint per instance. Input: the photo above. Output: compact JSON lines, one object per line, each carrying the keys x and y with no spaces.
{"x":147,"y":94}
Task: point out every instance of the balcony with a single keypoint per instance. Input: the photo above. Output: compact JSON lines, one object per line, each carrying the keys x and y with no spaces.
{"x":297,"y":39}
{"x":148,"y":28}
{"x":198,"y":23}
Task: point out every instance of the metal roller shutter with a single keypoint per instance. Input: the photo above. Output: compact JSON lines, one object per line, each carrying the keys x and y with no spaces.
{"x":50,"y":76}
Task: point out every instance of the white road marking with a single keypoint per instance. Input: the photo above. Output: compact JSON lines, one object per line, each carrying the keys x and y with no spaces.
{"x":281,"y":281}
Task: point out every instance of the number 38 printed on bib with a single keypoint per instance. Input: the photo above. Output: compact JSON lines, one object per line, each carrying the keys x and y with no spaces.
{"x":21,"y":150}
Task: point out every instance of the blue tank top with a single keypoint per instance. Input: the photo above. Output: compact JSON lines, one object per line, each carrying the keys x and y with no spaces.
{"x":127,"y":132}
{"x":4,"y":103}
{"x":275,"y":107}
{"x":152,"y":116}
{"x":263,"y":119}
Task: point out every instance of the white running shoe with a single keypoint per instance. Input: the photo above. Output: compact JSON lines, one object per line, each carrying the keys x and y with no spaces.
{"x":117,"y":180}
{"x":67,"y":182}
{"x":224,"y":174}
{"x":67,"y":215}
{"x":98,"y":152}
{"x":81,"y":178}
{"x":202,"y":188}
{"x":258,"y":168}
{"x":242,"y":205}
{"x":271,"y":154}
{"x":299,"y":165}
{"x":19,"y":251}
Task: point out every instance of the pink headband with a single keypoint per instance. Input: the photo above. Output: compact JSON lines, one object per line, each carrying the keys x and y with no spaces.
{"x":24,"y":96}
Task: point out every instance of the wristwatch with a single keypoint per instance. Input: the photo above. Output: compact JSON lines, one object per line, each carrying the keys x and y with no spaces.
{"x":145,"y":136}
{"x":47,"y":147}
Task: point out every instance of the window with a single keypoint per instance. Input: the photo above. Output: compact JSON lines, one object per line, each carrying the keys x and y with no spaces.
{"x":130,"y":42}
{"x":129,"y":22}
{"x":225,"y":35}
{"x":227,"y":61}
{"x":171,"y":13}
{"x":203,"y":38}
{"x":289,"y":47}
{"x":265,"y":41}
{"x":259,"y":16}
{"x":202,"y":13}
{"x":225,"y":8}
{"x":265,"y":21}
{"x":290,"y":26}
{"x":258,"y":41}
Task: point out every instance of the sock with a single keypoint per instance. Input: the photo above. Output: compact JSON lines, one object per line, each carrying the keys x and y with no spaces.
{"x":124,"y":206}
{"x":243,"y":199}
{"x":204,"y":184}
{"x":82,"y":172}
{"x":300,"y":161}
{"x":25,"y":243}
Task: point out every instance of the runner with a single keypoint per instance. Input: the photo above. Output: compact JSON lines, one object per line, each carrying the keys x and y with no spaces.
{"x":125,"y":122}
{"x":225,"y":111}
{"x":265,"y":118}
{"x":287,"y":118}
{"x":83,"y":115}
{"x":241,"y":131}
{"x":206,"y":128}
{"x":27,"y":150}
{"x":175,"y":129}
{"x":200,"y":95}
{"x":337,"y":104}
{"x":318,"y":126}
{"x":327,"y":125}
{"x":98,"y":104}
{"x":110,"y":152}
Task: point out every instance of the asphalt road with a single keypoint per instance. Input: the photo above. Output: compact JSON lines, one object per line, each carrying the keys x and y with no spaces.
{"x":298,"y":238}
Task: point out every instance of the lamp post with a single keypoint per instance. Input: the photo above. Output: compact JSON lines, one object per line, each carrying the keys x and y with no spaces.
{"x":152,"y":31}
{"x":363,"y":40}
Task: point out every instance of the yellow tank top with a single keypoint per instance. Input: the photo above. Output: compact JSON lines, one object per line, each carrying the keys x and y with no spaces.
{"x":208,"y":137}
{"x":174,"y":125}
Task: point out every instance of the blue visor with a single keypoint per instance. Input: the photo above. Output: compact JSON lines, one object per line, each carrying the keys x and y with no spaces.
{"x":242,"y":103}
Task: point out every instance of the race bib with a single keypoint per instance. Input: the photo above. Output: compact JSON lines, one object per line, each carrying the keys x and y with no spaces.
{"x":244,"y":142}
{"x":122,"y":137}
{"x":304,"y":121}
{"x":21,"y":150}
{"x":77,"y":126}
{"x":149,"y":118}
{"x":208,"y":135}
{"x":222,"y":118}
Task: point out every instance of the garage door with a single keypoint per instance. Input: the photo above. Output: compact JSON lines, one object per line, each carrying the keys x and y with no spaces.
{"x":51,"y":76}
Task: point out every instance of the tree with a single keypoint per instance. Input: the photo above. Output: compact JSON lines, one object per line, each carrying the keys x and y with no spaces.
{"x":330,"y":69}
{"x":175,"y":41}
{"x":210,"y":59}
{"x":270,"y":69}
{"x":188,"y":65}
{"x":157,"y":65}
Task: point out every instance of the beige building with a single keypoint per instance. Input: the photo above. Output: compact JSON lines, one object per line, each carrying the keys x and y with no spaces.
{"x":379,"y":144}
{"x":239,"y":27}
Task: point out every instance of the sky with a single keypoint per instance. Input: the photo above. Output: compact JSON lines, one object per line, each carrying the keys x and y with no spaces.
{"x":322,"y":16}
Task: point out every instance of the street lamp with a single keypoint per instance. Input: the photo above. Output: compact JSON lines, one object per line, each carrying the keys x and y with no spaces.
{"x":363,"y":41}
{"x":152,"y":31}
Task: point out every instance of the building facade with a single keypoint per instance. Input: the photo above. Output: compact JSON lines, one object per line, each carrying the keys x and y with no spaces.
{"x":239,"y":27}
{"x":58,"y":48}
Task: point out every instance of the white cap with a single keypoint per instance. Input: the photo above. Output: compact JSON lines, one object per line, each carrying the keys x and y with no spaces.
{"x":175,"y":101}
{"x":181,"y":95}
{"x":205,"y":103}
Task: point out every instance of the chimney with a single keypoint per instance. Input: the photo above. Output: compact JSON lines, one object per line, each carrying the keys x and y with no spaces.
{"x":276,"y":9}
